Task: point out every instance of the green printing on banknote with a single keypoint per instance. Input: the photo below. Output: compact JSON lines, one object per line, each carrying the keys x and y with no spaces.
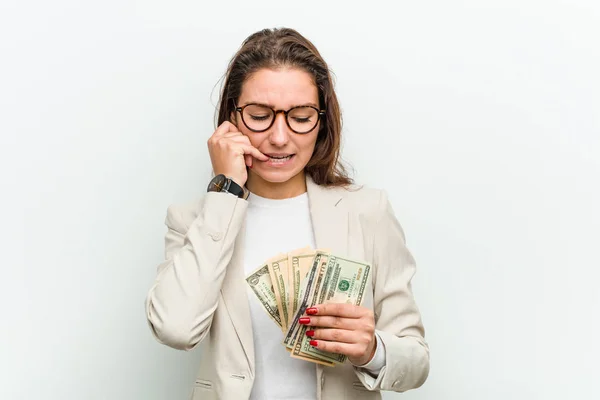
{"x":276,"y":271}
{"x":302,"y":305}
{"x":298,"y":276}
{"x":261,"y":285}
{"x":347,"y":283}
{"x":295,"y":282}
{"x":312,"y":300}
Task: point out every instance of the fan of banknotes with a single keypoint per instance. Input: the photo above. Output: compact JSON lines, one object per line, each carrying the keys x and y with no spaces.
{"x":289,"y":283}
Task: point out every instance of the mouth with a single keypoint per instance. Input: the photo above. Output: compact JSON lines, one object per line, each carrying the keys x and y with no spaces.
{"x":279,"y":158}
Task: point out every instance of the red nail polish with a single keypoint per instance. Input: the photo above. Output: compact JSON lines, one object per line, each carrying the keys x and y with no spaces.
{"x":312,"y":311}
{"x":304,"y":320}
{"x":310,"y":333}
{"x":313,"y":343}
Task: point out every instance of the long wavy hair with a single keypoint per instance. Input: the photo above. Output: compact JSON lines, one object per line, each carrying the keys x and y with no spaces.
{"x":280,"y":48}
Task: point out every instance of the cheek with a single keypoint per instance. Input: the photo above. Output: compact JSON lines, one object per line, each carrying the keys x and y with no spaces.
{"x":308,"y":146}
{"x":313,"y":139}
{"x":256,"y":139}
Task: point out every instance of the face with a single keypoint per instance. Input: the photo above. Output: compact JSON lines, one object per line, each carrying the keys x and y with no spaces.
{"x":288,"y":152}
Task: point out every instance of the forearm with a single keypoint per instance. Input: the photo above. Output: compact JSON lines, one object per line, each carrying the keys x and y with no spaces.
{"x":407,"y":363}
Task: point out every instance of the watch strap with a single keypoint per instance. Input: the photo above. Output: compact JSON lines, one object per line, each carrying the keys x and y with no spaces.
{"x":225,"y":184}
{"x":235,"y":189}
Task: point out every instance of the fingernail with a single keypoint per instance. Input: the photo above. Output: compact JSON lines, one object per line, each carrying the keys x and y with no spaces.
{"x":313,"y":343}
{"x":312,"y":311}
{"x":304,"y":320}
{"x":310,"y":333}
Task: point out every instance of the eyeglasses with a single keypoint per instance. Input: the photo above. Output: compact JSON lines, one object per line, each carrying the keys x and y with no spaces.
{"x":259,"y":118}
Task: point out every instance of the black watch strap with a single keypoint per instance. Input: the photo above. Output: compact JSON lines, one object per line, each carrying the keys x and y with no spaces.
{"x":222,"y":183}
{"x":235,"y":189}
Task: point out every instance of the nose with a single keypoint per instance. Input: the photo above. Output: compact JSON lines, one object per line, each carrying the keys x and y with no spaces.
{"x":279,"y":131}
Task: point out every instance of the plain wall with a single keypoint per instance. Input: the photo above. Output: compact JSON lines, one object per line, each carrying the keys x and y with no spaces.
{"x":480,"y":119}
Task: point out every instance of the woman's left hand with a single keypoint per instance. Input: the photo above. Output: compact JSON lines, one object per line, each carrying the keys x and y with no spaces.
{"x":342,"y":328}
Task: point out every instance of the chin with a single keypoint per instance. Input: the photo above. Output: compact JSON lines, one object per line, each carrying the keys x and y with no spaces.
{"x":276,"y":176}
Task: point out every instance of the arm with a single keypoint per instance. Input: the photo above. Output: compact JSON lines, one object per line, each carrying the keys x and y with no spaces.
{"x":181,"y":303}
{"x":398,"y":321}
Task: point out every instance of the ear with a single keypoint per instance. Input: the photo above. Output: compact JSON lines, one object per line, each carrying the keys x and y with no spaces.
{"x":233,"y":117}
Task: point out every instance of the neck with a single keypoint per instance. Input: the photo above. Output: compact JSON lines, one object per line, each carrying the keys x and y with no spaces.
{"x":277,"y":190}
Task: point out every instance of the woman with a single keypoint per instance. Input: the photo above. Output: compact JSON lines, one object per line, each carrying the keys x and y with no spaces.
{"x":278,"y":187}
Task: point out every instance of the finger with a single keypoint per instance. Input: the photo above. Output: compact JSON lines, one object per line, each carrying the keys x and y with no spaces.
{"x":331,"y":322}
{"x":241,"y":139}
{"x":339,"y":310}
{"x":232,"y":135}
{"x":224,"y":128}
{"x":334,"y":335}
{"x":348,"y":349}
{"x":248,"y":158}
{"x":254,"y":152}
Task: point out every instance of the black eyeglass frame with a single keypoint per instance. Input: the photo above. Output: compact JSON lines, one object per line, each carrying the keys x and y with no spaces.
{"x":320,"y":115}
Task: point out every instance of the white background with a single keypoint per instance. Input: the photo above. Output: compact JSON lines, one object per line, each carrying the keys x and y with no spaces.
{"x":480,"y":118}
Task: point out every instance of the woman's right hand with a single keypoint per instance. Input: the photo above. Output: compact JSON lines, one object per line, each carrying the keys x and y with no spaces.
{"x":231,"y":152}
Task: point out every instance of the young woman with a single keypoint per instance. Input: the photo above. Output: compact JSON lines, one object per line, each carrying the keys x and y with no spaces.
{"x":278,"y":187}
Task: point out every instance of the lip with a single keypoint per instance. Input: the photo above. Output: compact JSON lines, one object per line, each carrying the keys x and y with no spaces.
{"x":278,"y":154}
{"x":277,"y":163}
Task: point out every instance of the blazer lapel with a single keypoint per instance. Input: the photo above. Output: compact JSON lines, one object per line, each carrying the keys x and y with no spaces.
{"x":330,"y":224}
{"x":236,"y":300}
{"x":329,"y":217}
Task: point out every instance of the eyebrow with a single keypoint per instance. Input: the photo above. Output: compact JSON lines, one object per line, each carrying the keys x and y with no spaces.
{"x":272,"y":106}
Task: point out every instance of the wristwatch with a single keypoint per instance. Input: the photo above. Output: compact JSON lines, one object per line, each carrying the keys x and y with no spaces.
{"x":222,"y":183}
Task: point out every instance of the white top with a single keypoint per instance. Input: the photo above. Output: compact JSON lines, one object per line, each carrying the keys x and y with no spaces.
{"x":279,"y":226}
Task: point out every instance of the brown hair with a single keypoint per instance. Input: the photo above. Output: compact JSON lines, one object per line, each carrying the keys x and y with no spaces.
{"x":284,"y":47}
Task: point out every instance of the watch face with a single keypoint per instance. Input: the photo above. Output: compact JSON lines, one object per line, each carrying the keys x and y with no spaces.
{"x":217,"y":183}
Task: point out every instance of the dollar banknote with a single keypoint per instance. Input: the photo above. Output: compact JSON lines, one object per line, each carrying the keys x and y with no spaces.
{"x":299,"y":263}
{"x":278,"y":270}
{"x":309,"y":285}
{"x":289,"y":283}
{"x":260,"y":283}
{"x":345,"y":281}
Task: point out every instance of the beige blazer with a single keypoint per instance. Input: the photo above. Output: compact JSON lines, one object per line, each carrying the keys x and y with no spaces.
{"x":199,"y":296}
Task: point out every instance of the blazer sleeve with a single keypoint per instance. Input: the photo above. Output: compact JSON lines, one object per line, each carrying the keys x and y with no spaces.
{"x":181,"y":303}
{"x":397,"y":318}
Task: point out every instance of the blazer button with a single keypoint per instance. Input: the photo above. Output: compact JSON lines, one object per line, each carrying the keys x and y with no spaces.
{"x":216,"y":236}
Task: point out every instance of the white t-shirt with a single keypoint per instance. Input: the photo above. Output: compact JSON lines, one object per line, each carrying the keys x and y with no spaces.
{"x":276,"y":226}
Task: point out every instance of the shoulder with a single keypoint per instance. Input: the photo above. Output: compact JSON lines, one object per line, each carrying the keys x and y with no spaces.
{"x":180,"y":216}
{"x":365,"y":199}
{"x":374,"y":208}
